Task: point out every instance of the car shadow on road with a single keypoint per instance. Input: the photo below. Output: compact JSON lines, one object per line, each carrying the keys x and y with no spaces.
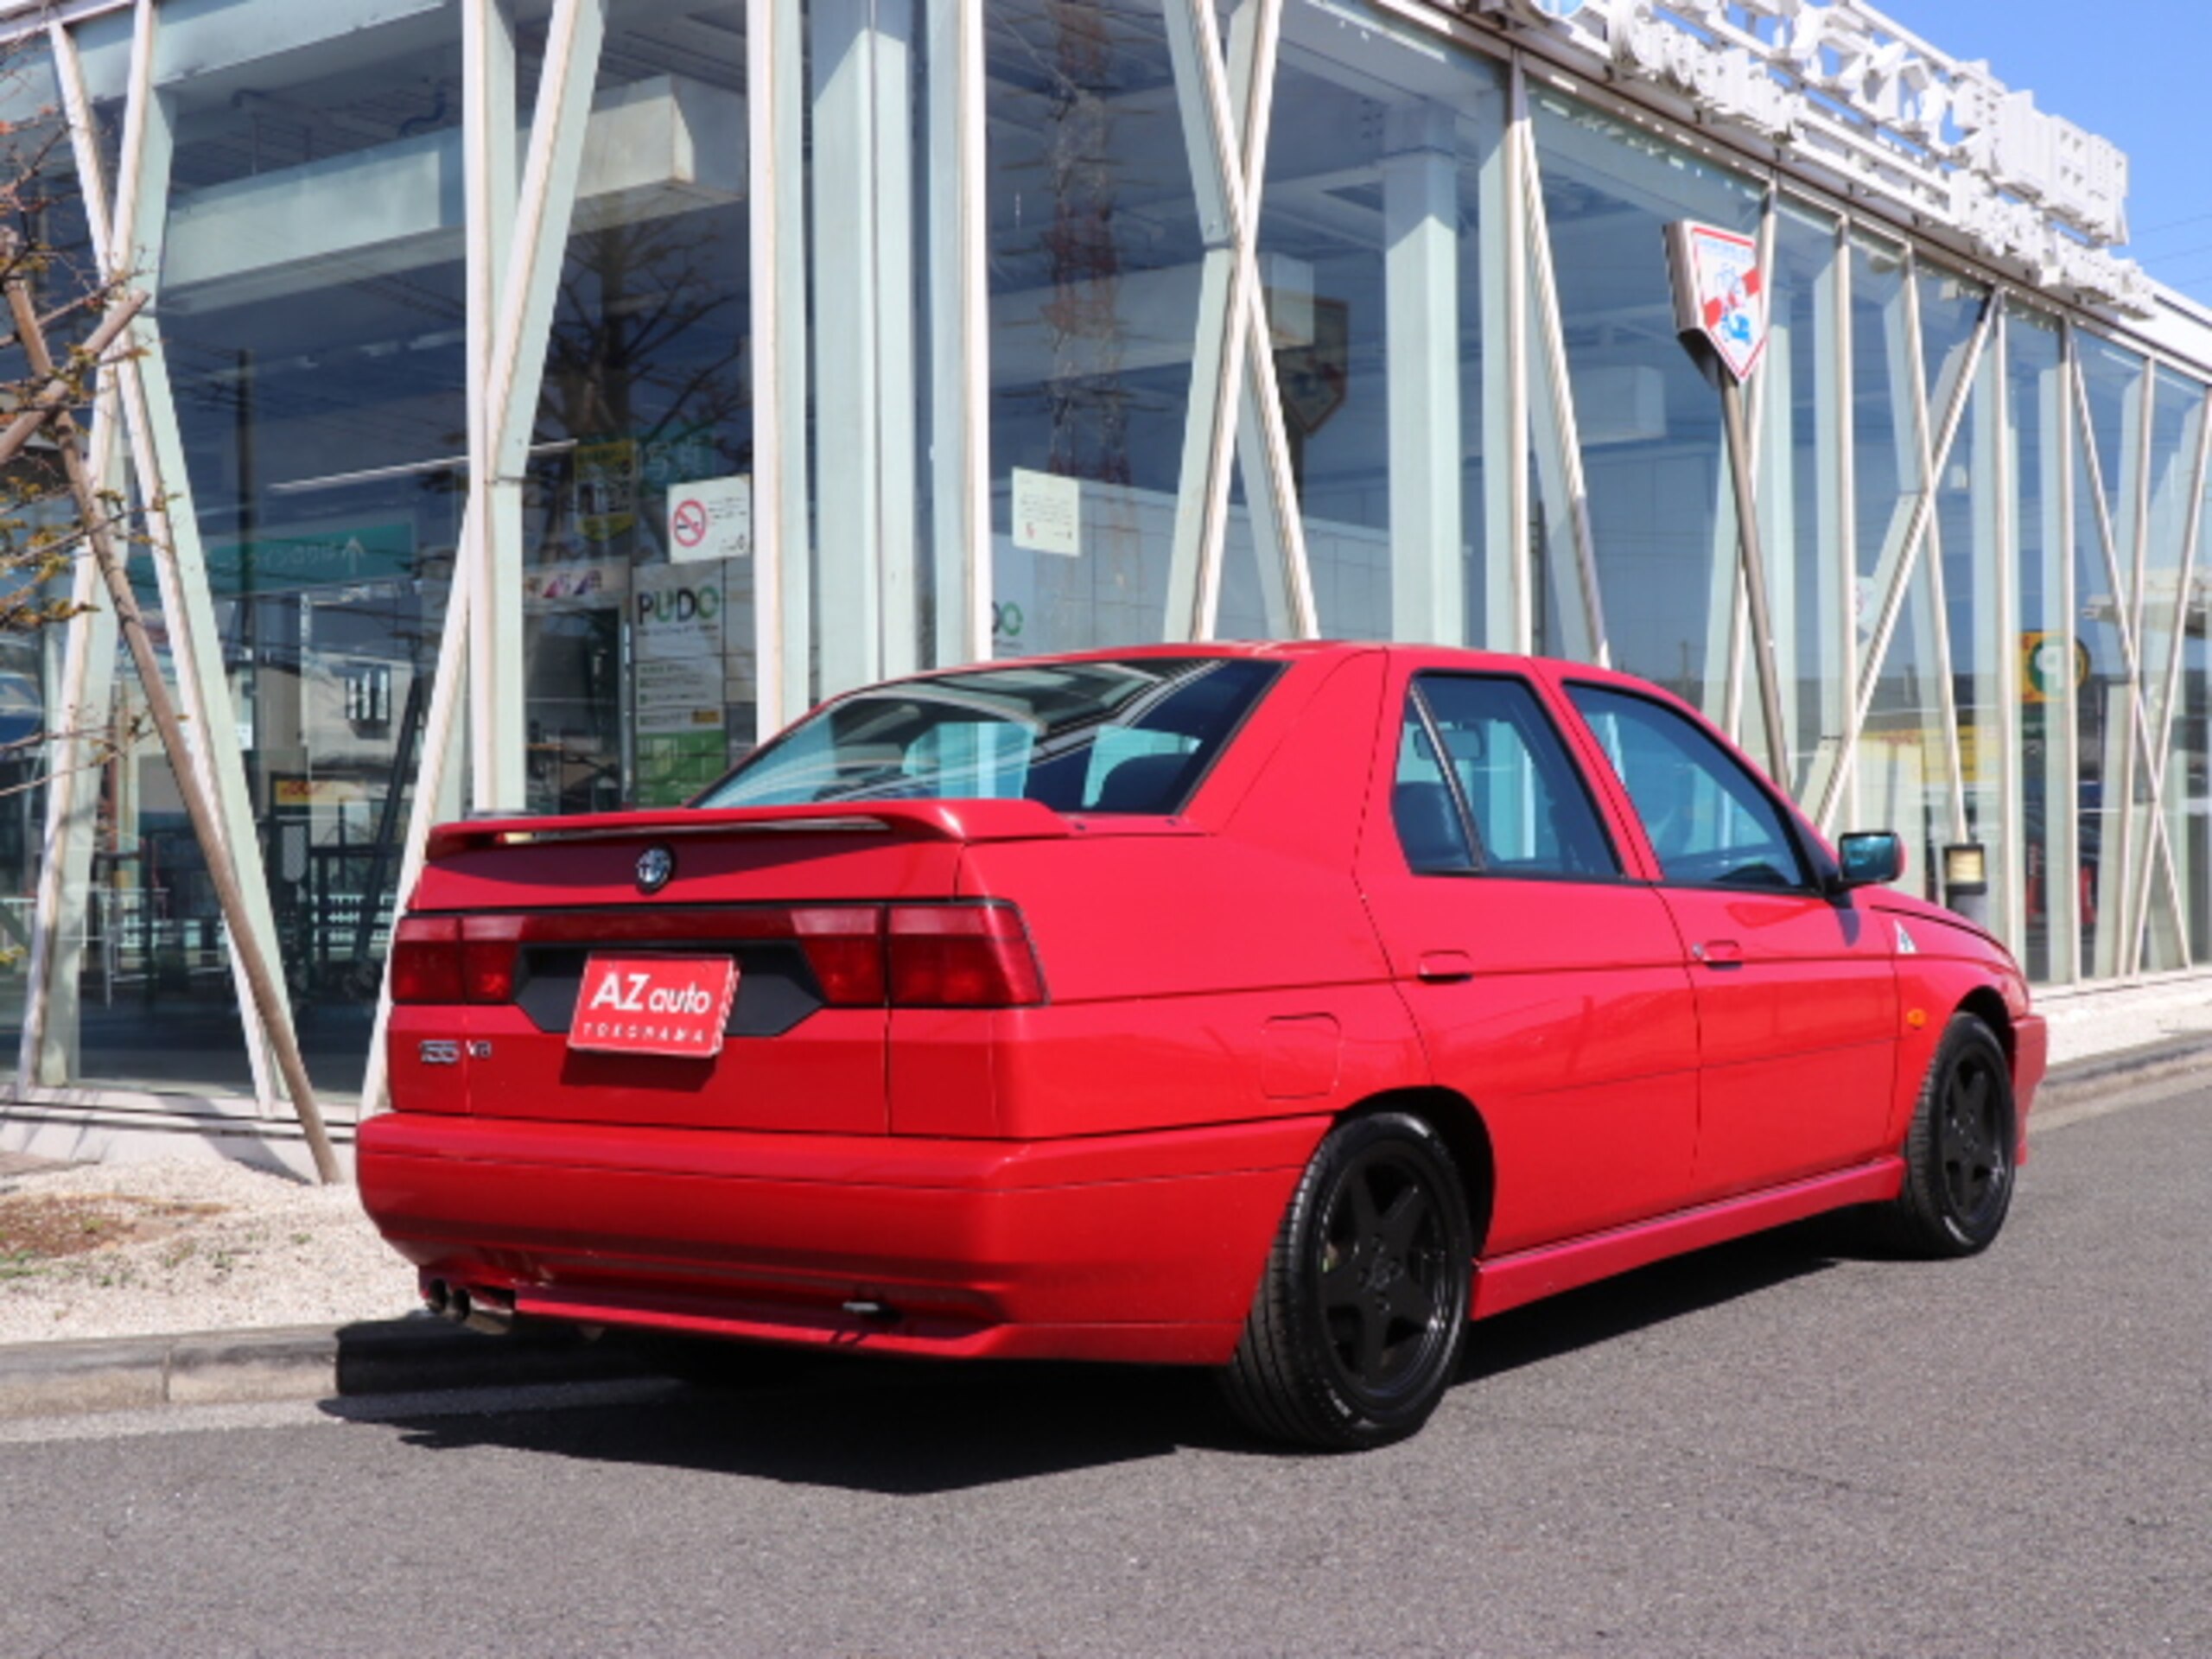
{"x":850,"y":1421}
{"x":1651,"y":1296}
{"x":903,"y":1427}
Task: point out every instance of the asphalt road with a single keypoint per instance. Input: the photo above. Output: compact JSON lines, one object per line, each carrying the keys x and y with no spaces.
{"x":1775,"y":1448}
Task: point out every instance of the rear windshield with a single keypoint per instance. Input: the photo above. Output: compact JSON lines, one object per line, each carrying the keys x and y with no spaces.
{"x":1121,"y":736}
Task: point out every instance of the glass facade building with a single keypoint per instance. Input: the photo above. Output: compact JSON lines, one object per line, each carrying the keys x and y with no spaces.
{"x":540,"y":401}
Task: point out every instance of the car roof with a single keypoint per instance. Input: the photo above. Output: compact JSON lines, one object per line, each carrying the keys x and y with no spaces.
{"x":1465,"y":658}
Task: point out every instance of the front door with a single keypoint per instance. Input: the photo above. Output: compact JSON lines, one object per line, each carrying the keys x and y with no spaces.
{"x":1796,"y":986}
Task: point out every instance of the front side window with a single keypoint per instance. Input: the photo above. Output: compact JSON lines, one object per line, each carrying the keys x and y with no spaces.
{"x":1124,"y":736}
{"x":1708,"y":822}
{"x":1505,"y":799}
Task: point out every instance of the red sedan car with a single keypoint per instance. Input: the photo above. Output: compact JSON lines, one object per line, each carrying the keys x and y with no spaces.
{"x":1274,"y":1007}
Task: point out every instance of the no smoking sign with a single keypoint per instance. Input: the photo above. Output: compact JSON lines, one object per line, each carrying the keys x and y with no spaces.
{"x":710,"y":519}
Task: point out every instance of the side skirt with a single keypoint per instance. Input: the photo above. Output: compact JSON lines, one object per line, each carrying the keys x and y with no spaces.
{"x":1527,"y":1275}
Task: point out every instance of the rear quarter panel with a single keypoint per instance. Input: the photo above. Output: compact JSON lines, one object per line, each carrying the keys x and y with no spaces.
{"x":1226,"y":975}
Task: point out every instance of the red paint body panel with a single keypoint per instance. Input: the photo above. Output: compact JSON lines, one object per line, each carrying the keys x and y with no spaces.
{"x":1508,"y":1281}
{"x":970,"y":1240}
{"x":1101,"y":1175}
{"x":1574,"y":1031}
{"x":1798,"y":1033}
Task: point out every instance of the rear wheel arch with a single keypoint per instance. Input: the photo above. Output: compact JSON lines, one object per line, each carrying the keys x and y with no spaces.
{"x":1460,"y":1125}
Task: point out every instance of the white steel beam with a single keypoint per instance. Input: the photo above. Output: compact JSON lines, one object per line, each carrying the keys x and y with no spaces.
{"x":491,"y":536}
{"x":1201,"y":508}
{"x":1421,"y":209}
{"x":2131,"y":532}
{"x":959,"y":285}
{"x":1262,"y":438}
{"x":2110,"y":947}
{"x":1564,"y":453}
{"x":863,"y":366}
{"x":1225,"y":109}
{"x":891,"y":290}
{"x":48,"y":1052}
{"x":1919,"y":513}
{"x":1835,"y":457}
{"x":188,"y":608}
{"x":2062,"y":796}
{"x":1931,"y":474}
{"x":1728,"y":609}
{"x":1509,"y":610}
{"x":782,"y":591}
{"x":522,"y":326}
{"x":1997,"y":636}
{"x":521,"y":331}
{"x":1839,"y":424}
{"x":2161,"y":755}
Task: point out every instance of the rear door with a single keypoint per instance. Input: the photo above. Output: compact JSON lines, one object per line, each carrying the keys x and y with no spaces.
{"x":1547,"y":986}
{"x":1796,"y":990}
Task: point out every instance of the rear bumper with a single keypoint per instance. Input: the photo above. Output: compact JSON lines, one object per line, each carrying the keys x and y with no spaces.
{"x":1137,"y":1246}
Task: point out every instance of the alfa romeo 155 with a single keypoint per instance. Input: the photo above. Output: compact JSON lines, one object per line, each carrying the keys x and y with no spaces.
{"x":1285,"y":1009}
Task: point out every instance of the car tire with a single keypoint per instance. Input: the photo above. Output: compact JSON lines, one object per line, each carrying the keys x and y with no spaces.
{"x":1959,"y":1153}
{"x":1361,"y":1315}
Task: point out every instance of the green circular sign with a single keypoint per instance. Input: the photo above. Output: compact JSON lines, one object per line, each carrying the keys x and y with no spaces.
{"x":2053,"y":666}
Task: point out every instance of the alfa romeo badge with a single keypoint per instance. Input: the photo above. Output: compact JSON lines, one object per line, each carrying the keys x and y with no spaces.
{"x":656,"y":864}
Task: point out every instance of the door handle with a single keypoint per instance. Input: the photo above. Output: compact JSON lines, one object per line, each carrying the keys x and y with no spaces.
{"x":1719,"y":953}
{"x":1442,"y":967}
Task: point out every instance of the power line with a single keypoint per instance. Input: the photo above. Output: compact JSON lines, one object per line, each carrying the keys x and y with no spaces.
{"x":2173,"y":223}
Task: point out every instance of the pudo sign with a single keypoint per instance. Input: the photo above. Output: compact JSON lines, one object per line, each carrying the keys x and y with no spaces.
{"x":1720,"y":314}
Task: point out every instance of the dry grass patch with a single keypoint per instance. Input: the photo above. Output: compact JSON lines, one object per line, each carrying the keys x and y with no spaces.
{"x":37,"y":1228}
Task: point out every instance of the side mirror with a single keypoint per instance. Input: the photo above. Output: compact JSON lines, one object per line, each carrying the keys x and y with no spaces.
{"x":1870,"y":857}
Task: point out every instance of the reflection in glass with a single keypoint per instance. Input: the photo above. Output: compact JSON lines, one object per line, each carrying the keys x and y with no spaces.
{"x":1371,"y":235}
{"x":1096,"y":263}
{"x":1650,"y":424}
{"x":2104,"y":539}
{"x":2041,"y":417}
{"x":636,"y":613}
{"x":316,"y":363}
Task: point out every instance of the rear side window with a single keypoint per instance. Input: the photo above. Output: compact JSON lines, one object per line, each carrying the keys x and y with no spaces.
{"x":1133,"y":736}
{"x":1484,"y":783}
{"x":1709,"y":823}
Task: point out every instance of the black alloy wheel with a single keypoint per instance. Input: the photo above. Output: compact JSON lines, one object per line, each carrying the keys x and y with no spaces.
{"x":1361,"y":1315}
{"x":1959,"y":1153}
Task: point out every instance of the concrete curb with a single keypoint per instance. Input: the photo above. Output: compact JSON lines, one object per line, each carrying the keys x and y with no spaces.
{"x":2145,"y":1063}
{"x":414,"y":1355}
{"x":419,"y":1354}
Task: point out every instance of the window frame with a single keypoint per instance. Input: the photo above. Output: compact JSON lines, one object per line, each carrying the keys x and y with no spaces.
{"x":1416,"y":698}
{"x":1815,"y":870}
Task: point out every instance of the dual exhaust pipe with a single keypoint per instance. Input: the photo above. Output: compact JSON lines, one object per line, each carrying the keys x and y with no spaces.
{"x":493,"y":1310}
{"x":475,"y":1309}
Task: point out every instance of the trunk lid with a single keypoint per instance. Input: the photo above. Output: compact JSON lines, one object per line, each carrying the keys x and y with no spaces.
{"x":789,"y":894}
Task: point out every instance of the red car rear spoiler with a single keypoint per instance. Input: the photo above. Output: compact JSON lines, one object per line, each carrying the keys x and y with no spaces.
{"x":966,"y":821}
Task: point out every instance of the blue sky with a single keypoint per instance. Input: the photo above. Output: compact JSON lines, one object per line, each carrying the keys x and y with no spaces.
{"x":2134,"y":72}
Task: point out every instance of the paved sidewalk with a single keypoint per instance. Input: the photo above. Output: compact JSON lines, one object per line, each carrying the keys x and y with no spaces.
{"x":2100,"y":1040}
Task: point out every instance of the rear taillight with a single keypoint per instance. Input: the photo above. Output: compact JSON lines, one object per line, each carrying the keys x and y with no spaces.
{"x":844,"y":947}
{"x":426,"y":960}
{"x":455,"y":959}
{"x":489,"y":945}
{"x":961,"y":957}
{"x":951,"y":955}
